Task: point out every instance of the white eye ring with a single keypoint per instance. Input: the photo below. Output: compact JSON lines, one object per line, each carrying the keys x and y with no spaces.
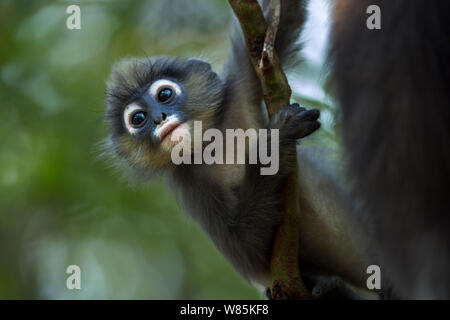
{"x":129,"y":110}
{"x":163,"y":83}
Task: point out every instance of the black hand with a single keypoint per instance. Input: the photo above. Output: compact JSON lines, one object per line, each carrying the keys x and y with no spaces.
{"x":295,"y":122}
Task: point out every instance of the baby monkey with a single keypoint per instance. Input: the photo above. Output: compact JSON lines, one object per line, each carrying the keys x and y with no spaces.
{"x":238,"y":207}
{"x":150,"y":101}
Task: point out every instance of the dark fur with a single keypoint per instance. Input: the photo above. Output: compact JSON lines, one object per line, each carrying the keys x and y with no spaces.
{"x":240,"y":218}
{"x":393,"y":87}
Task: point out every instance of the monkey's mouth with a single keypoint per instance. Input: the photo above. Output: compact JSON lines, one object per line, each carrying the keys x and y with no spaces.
{"x":173,"y":132}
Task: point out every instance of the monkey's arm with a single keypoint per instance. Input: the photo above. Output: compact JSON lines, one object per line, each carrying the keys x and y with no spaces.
{"x":239,"y":75}
{"x":241,"y":218}
{"x":330,"y":236}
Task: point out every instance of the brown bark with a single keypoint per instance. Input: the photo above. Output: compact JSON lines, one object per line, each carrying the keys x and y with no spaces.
{"x":260,"y":37}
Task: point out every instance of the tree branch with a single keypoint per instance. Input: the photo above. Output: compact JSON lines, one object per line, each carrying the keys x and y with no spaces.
{"x":271,"y":33}
{"x":260,"y":39}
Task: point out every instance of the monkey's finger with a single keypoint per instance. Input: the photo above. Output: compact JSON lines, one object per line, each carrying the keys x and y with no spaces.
{"x":308,"y":115}
{"x":330,"y":288}
{"x":298,"y":107}
{"x":292,"y":110}
{"x":306,"y":128}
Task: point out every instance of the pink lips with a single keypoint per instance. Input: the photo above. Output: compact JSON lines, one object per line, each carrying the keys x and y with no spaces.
{"x":168,"y":128}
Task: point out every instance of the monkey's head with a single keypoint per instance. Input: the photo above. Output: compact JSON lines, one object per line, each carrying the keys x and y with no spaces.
{"x":152,"y":101}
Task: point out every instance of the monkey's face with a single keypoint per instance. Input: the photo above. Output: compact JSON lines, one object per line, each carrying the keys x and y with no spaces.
{"x":150,"y":102}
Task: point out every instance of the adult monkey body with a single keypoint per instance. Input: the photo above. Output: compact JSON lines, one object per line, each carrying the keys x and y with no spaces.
{"x":239,"y":208}
{"x":393,"y":87}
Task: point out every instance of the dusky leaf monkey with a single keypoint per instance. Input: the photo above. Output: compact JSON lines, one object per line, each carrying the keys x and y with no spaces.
{"x":151,"y":99}
{"x":393,"y":90}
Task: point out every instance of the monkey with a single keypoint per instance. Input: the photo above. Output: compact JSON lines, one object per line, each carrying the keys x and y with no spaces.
{"x":149,"y":100}
{"x":392,"y":87}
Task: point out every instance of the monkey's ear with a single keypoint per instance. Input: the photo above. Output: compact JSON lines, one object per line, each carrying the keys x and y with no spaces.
{"x":200,"y":64}
{"x":197,"y":60}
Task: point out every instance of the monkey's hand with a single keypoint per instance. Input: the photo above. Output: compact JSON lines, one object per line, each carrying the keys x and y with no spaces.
{"x":295,"y":122}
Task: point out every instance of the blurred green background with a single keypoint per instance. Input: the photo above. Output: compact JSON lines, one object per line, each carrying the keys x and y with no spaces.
{"x":60,"y":202}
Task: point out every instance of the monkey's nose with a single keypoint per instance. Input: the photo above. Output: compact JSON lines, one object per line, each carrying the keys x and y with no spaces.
{"x":160,"y":118}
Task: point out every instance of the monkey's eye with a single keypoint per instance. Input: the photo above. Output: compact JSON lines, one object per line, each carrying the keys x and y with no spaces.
{"x":165,"y":94}
{"x":134,"y":118}
{"x":138,"y":119}
{"x":165,"y":90}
